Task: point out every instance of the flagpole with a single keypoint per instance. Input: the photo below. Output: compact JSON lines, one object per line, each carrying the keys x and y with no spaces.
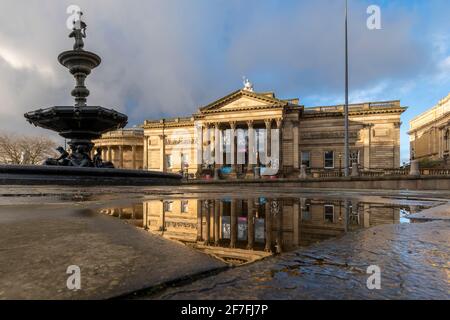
{"x":346,"y":146}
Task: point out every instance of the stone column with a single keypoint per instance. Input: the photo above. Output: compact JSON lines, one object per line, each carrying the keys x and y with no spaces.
{"x":221,"y":211}
{"x":279,"y":226}
{"x":199,"y":220}
{"x":145,"y":164}
{"x":133,"y":157}
{"x":199,"y":148}
{"x":207,"y":154}
{"x":279,"y":123}
{"x":217,"y":149}
{"x":250,"y":224}
{"x":162,"y":152}
{"x":103,"y":154}
{"x":268,"y":123}
{"x":216,"y":221}
{"x":233,"y":146}
{"x":251,"y":147}
{"x":296,"y":222}
{"x":296,"y":144}
{"x":233,"y":225}
{"x":120,"y":156}
{"x":268,"y":246}
{"x":109,"y":154}
{"x":208,"y":205}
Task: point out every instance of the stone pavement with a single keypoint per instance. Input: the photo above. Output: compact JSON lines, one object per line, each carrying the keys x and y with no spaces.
{"x":435,"y":213}
{"x":44,"y":230}
{"x":38,"y":242}
{"x":413,"y":258}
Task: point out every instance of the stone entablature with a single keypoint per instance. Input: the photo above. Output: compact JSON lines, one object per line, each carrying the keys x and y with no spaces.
{"x":316,"y":133}
{"x":430,"y":132}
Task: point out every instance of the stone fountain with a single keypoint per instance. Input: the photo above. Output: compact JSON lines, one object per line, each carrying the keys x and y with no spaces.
{"x":80,"y":124}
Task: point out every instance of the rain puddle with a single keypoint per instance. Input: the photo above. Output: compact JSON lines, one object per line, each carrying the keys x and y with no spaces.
{"x":244,"y":230}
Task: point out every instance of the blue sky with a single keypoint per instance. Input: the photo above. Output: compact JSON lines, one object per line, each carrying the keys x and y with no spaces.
{"x":167,"y":58}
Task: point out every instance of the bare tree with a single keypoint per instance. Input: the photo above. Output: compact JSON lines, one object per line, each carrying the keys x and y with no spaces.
{"x":21,"y":149}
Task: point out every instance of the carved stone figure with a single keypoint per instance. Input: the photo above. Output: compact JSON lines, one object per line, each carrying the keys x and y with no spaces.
{"x":79,"y":32}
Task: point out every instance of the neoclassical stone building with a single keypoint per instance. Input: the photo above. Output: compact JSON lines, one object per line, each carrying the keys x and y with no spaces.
{"x":247,"y":129}
{"x":124,"y":148}
{"x":430,"y":132}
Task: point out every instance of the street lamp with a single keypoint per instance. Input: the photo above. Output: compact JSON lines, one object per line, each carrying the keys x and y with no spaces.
{"x":346,"y":151}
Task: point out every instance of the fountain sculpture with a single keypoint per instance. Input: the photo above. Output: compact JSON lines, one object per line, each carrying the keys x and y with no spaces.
{"x":80,"y":124}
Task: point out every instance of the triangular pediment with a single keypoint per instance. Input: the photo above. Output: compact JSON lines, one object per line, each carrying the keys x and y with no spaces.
{"x":241,"y":100}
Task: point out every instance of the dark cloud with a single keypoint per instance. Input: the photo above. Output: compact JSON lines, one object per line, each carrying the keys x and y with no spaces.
{"x":166,"y":58}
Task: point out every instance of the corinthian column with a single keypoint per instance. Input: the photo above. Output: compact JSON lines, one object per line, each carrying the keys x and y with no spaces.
{"x":268,"y":123}
{"x":162,"y":152}
{"x":216,"y":221}
{"x":251,"y":147}
{"x":145,"y":166}
{"x":217,"y":148}
{"x":250,"y":224}
{"x":268,"y":246}
{"x":233,"y":146}
{"x":120,"y":157}
{"x":233,"y":225}
{"x":133,"y":157}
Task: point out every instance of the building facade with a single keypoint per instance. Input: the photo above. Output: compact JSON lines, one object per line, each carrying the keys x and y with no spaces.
{"x":246,"y":130}
{"x":429,"y":133}
{"x":124,"y":148}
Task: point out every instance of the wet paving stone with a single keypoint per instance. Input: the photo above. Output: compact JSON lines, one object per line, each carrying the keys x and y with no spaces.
{"x":413,"y":258}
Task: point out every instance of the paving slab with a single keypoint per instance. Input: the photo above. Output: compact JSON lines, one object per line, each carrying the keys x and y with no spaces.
{"x":436,"y":213}
{"x":413,"y":260}
{"x":38,"y":242}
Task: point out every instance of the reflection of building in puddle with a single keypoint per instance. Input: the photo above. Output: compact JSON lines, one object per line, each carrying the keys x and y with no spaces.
{"x":131,"y":214}
{"x":245,"y":230}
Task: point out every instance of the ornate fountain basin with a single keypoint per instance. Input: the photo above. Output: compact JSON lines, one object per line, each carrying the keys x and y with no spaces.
{"x":74,"y":59}
{"x":78,"y":123}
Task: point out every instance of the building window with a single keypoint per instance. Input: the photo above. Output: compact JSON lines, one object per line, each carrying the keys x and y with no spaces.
{"x":306,"y":158}
{"x":185,"y":160}
{"x":329,"y":159}
{"x":354,"y":157}
{"x":184,"y":206}
{"x":328,"y":212}
{"x":169,"y":161}
{"x":306,"y":212}
{"x":168,"y":206}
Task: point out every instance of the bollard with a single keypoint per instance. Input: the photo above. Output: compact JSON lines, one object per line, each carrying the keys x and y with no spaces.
{"x":355,"y":169}
{"x":216,"y":174}
{"x":302,"y":174}
{"x":414,"y":168}
{"x":257,"y":172}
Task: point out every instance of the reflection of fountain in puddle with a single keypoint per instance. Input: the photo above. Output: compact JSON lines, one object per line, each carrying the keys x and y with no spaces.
{"x":240,"y":231}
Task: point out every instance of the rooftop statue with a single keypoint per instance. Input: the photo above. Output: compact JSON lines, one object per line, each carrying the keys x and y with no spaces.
{"x":248,"y":86}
